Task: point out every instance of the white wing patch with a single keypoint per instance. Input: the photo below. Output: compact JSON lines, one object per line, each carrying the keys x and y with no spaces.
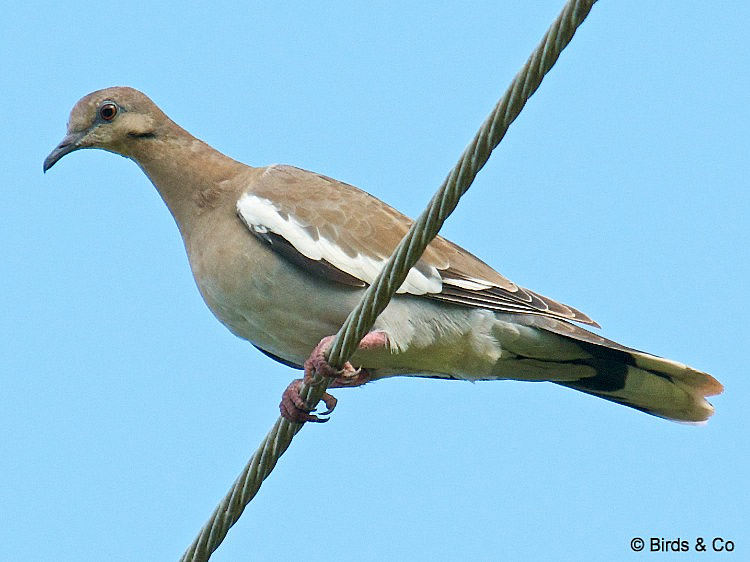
{"x":470,"y":284}
{"x":262,"y":215}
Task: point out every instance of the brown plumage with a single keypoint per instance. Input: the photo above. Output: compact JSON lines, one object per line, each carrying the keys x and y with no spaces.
{"x":281,"y":255}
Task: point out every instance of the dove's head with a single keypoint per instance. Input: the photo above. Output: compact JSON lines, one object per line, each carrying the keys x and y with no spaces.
{"x":118,"y":119}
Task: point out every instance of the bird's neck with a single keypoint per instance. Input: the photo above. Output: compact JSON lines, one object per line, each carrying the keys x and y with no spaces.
{"x":191,"y":177}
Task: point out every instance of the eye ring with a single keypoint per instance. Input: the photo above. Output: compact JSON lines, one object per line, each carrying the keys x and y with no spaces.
{"x":108,"y":111}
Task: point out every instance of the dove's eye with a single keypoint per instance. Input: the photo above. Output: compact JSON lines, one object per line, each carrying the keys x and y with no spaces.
{"x":108,"y":111}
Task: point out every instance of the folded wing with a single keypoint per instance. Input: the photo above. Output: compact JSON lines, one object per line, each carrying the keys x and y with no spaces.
{"x":345,"y":235}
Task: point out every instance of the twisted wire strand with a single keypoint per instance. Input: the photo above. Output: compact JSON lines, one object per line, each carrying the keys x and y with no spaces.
{"x":407,"y":253}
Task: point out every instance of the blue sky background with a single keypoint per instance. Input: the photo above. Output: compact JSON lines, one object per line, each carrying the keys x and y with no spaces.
{"x":127,"y":410}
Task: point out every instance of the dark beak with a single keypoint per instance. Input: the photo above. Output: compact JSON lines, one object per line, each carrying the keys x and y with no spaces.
{"x":70,"y":143}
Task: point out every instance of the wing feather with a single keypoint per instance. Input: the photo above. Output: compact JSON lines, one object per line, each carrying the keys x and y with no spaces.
{"x":341,"y":233}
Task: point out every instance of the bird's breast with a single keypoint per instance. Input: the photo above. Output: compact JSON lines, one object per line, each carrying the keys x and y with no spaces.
{"x":261,"y":297}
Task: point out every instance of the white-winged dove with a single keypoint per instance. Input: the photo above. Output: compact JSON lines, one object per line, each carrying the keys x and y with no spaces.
{"x":281,"y":255}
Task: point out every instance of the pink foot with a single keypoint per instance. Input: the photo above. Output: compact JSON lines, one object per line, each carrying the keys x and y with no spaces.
{"x":294,"y":408}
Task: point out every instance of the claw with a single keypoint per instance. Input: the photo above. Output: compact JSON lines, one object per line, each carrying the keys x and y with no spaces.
{"x":351,"y":377}
{"x":330,"y":402}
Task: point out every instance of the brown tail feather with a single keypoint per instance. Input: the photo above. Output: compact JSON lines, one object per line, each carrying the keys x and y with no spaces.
{"x":660,"y":387}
